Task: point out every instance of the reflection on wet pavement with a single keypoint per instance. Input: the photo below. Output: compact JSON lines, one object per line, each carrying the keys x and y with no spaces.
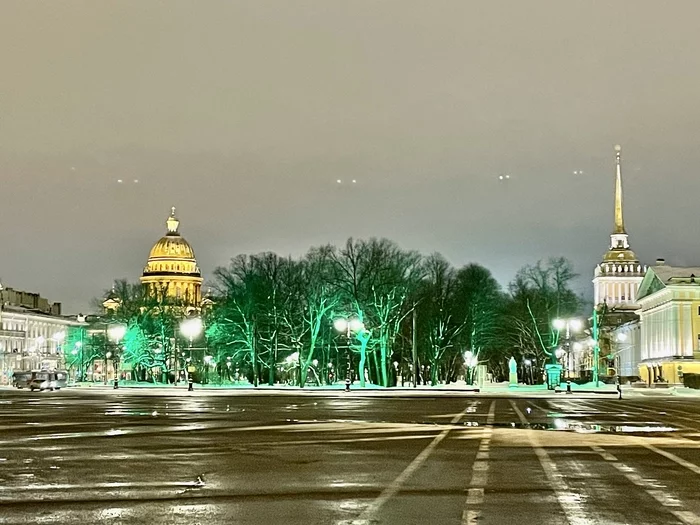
{"x":128,"y":458}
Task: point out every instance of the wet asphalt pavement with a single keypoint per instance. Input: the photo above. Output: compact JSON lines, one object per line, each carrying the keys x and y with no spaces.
{"x":133,"y":457}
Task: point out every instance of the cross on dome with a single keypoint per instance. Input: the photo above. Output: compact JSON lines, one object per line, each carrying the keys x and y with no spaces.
{"x":172,"y":222}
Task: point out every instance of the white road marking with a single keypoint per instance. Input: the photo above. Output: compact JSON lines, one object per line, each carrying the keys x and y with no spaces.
{"x":475,"y":495}
{"x":569,"y":500}
{"x":682,"y":462}
{"x":653,"y":487}
{"x":394,"y":487}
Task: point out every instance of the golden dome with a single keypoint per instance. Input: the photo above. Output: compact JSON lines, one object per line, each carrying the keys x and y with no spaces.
{"x":171,"y":247}
{"x":620,"y":255}
{"x":172,"y":254}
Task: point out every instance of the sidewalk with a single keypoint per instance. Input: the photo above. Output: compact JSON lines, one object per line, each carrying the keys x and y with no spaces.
{"x":453,"y":389}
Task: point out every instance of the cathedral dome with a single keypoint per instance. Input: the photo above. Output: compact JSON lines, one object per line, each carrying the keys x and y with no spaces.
{"x":172,"y":253}
{"x":171,"y":270}
{"x":171,"y":248}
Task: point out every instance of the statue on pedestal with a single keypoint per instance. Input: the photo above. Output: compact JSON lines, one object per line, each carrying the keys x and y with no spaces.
{"x":513,"y":376}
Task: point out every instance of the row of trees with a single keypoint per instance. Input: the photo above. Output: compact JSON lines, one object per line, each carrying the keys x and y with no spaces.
{"x":268,"y":308}
{"x":274,"y":319}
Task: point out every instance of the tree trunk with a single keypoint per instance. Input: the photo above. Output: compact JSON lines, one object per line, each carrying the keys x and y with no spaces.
{"x":361,"y":366}
{"x":384,"y":351}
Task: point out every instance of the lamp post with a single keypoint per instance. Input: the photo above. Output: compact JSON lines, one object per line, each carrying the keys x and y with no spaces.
{"x":40,"y":350}
{"x":348,"y":327}
{"x":470,"y":362}
{"x":528,"y":364}
{"x":78,"y":347}
{"x":207,"y":362}
{"x":569,"y":325}
{"x":116,"y":333}
{"x":58,"y":338}
{"x":191,"y":328}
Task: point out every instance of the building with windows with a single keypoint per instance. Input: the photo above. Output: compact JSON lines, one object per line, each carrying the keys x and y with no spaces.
{"x":31,"y":340}
{"x":669,"y":320}
{"x":171,"y":271}
{"x":29,"y":300}
{"x":625,"y":343}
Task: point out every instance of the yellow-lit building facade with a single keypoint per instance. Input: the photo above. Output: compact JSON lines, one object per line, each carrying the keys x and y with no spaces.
{"x":669,"y":318}
{"x":171,"y":273}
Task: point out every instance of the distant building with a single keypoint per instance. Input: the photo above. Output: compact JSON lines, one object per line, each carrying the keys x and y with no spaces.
{"x":616,"y":284}
{"x":669,"y":318}
{"x":625,"y":343}
{"x":32,"y":334}
{"x":617,"y":279}
{"x":28,"y":300}
{"x":171,"y":271}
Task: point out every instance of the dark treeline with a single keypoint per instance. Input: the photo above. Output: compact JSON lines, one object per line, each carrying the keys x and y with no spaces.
{"x":275,"y":317}
{"x":301,"y":321}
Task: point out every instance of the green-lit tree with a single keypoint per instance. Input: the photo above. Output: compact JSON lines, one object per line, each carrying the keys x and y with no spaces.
{"x":481,"y":304}
{"x":319,"y":299}
{"x":441,"y":322}
{"x":540,"y":293}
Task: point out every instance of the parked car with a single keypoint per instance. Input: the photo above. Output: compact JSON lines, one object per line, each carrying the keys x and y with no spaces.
{"x":45,"y":380}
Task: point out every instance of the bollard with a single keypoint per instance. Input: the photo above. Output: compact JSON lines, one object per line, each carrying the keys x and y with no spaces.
{"x":116,"y":383}
{"x":347,"y":384}
{"x":568,"y":387}
{"x":190,"y":386}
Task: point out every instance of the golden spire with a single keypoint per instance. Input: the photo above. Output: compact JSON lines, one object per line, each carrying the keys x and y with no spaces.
{"x":172,"y":222}
{"x":619,"y":222}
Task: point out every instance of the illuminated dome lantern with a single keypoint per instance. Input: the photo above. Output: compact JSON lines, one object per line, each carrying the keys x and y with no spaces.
{"x":172,"y":271}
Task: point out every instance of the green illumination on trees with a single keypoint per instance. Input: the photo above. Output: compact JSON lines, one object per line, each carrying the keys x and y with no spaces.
{"x":298,"y":321}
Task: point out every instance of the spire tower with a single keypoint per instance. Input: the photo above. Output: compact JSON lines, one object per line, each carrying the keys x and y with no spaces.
{"x":619,"y":221}
{"x":617,"y":278}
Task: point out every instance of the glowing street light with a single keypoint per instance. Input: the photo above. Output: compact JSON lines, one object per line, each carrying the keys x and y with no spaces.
{"x":348,"y":327}
{"x":569,"y":325}
{"x":116,"y":333}
{"x":191,"y":328}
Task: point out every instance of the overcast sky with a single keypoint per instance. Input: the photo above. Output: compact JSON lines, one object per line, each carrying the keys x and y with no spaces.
{"x":243,"y":114}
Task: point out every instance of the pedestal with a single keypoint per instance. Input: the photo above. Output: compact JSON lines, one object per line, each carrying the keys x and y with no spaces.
{"x":513,"y":379}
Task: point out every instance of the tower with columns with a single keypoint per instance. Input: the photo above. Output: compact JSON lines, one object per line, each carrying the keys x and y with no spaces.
{"x":617,"y":278}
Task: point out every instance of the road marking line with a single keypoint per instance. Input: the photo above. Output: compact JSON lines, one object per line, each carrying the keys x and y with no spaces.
{"x":569,"y":501}
{"x":367,"y":516}
{"x":686,"y":517}
{"x":475,"y":496}
{"x":658,"y":491}
{"x":480,"y":468}
{"x":682,"y":462}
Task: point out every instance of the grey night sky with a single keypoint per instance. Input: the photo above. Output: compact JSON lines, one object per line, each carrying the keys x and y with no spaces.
{"x":244,"y":113}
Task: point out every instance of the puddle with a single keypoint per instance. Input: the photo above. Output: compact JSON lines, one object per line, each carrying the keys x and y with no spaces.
{"x":585,"y":428}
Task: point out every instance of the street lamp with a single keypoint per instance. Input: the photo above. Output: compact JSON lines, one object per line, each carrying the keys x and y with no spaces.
{"x":191,"y":328}
{"x":77,"y":348}
{"x":58,"y":338}
{"x":207,"y":361}
{"x":470,"y":360}
{"x":116,"y":333}
{"x":569,"y":325}
{"x":348,"y":327}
